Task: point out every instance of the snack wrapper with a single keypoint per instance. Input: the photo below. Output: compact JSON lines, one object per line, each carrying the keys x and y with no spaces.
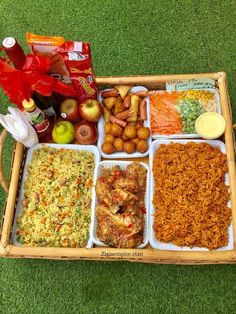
{"x":77,"y":57}
{"x":46,"y":46}
{"x":70,"y":62}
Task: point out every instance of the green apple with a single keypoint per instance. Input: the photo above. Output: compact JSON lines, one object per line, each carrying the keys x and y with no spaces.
{"x":63,"y":132}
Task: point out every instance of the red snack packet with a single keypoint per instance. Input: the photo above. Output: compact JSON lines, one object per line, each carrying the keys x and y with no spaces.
{"x":70,"y":62}
{"x":46,"y":46}
{"x":77,"y":58}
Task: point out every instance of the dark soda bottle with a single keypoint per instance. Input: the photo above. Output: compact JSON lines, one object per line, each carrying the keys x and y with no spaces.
{"x":47,"y":104}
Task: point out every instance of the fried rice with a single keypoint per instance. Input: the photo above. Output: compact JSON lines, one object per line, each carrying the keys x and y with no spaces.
{"x":191,"y":197}
{"x":57,"y":199}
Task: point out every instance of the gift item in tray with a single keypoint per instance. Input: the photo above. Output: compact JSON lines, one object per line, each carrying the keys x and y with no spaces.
{"x":124,"y":129}
{"x":190,"y":196}
{"x":71,"y":62}
{"x":121,"y":207}
{"x":174,"y":113}
{"x":54,"y":207}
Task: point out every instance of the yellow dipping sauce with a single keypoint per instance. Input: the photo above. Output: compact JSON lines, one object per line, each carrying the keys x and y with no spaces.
{"x":210,"y":125}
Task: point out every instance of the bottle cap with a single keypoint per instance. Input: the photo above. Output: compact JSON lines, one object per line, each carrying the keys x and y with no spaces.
{"x":29,"y":105}
{"x":210,"y":125}
{"x":8,"y":42}
{"x":63,"y":115}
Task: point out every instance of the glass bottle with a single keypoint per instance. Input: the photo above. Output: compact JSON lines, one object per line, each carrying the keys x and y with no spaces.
{"x":38,"y":120}
{"x":46,"y":104}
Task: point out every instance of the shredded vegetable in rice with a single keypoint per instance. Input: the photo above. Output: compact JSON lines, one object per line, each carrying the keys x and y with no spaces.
{"x":57,"y":204}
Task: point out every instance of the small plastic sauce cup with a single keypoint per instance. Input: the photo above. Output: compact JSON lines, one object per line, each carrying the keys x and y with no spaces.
{"x":210,"y":125}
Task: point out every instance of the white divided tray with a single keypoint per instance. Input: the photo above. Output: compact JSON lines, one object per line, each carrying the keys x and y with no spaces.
{"x":179,"y":136}
{"x":89,"y":148}
{"x":168,"y":246}
{"x":108,"y":164}
{"x":101,"y":133}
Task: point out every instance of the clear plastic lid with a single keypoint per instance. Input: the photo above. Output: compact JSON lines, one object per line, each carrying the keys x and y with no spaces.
{"x":210,"y":125}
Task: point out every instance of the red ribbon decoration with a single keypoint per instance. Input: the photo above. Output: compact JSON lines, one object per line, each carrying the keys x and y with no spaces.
{"x":19,"y":85}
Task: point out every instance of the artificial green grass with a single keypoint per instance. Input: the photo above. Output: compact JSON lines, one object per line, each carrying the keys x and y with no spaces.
{"x":127,"y":38}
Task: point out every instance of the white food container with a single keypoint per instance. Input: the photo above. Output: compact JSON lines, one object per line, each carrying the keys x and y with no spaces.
{"x":101,"y":133}
{"x":108,"y":164}
{"x":179,"y":136}
{"x":169,"y":246}
{"x":88,"y":148}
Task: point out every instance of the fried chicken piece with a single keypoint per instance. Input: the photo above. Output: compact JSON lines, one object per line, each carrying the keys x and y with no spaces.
{"x":110,"y":175}
{"x":118,"y":230}
{"x":115,"y":170}
{"x":138,"y":173}
{"x":120,"y":219}
{"x":133,"y":210}
{"x":113,"y":198}
{"x":121,"y":197}
{"x":127,"y":184}
{"x":103,"y":192}
{"x":123,"y":221}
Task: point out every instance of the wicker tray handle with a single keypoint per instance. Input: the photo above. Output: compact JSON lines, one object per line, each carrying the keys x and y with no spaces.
{"x":3,"y":181}
{"x":234,"y":131}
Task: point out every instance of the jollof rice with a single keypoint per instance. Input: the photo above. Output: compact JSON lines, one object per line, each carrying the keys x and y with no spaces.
{"x":191,"y":196}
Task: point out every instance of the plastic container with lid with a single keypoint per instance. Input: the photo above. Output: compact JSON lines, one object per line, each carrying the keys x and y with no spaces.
{"x":101,"y":133}
{"x":155,"y":243}
{"x":210,"y":125}
{"x":88,"y":148}
{"x":217,"y":108}
{"x":108,"y":164}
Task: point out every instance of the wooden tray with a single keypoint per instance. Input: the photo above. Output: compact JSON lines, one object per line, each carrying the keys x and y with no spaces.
{"x":147,"y":255}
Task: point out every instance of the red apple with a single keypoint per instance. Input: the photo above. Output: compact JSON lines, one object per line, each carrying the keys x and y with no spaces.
{"x":69,"y":110}
{"x":90,"y":110}
{"x":86,"y":133}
